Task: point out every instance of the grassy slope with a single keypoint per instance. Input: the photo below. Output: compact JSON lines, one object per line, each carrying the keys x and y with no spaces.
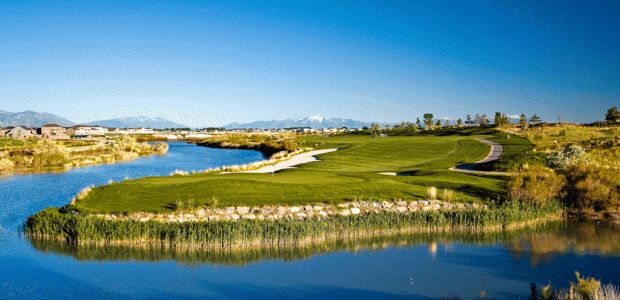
{"x":343,"y":175}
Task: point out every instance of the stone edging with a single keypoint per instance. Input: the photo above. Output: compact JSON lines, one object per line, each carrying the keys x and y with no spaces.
{"x":271,"y":212}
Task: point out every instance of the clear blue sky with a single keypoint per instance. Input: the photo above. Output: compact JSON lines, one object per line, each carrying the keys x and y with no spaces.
{"x":210,"y":63}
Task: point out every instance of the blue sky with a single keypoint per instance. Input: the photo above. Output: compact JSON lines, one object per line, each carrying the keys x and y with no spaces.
{"x":210,"y":63}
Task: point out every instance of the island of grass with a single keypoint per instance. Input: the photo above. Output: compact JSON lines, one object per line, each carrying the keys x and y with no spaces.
{"x":349,"y":177}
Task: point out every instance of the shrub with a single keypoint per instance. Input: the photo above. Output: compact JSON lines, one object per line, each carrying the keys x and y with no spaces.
{"x":564,"y":158}
{"x":536,"y":185}
{"x":6,"y":165}
{"x":48,"y":153}
{"x":593,"y":187}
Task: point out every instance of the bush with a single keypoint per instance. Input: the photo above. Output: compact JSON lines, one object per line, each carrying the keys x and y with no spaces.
{"x":536,"y":185}
{"x":6,"y":165}
{"x":564,"y":158}
{"x":593,"y":188}
{"x":48,"y":153}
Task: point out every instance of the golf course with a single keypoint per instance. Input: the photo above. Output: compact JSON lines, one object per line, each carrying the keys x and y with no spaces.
{"x":352,"y":172}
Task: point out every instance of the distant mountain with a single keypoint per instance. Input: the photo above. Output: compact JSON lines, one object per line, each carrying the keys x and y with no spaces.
{"x":31,"y":119}
{"x":313,"y":122}
{"x":138,"y":122}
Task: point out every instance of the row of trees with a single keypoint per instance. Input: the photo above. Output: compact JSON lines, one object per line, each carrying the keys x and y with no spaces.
{"x":428,"y":121}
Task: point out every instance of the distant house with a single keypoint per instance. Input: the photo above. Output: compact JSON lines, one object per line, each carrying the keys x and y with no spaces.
{"x":18,"y":132}
{"x":54,"y":132}
{"x":86,"y":131}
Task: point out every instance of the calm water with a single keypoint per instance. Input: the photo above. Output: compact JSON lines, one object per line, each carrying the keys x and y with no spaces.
{"x":415,"y":266}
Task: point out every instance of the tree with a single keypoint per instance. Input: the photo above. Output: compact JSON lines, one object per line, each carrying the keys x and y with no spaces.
{"x":505,"y":120}
{"x":418,"y":123}
{"x":523,"y":120}
{"x":498,"y":119}
{"x":484,"y":120}
{"x":446,"y":123}
{"x":468,"y":118}
{"x":459,"y":122}
{"x":478,"y":119}
{"x":375,"y":128}
{"x":613,"y":115}
{"x":428,"y":120}
{"x":438,"y":123}
{"x":535,"y":119}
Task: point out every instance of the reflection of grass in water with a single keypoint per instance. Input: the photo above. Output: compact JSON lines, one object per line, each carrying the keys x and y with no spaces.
{"x":240,"y":256}
{"x":582,"y":238}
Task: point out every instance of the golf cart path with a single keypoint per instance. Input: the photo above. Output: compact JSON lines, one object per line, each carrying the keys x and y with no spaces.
{"x":495,"y":154}
{"x":296,"y":160}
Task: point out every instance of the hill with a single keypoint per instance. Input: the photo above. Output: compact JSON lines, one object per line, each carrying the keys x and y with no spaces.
{"x":31,"y":119}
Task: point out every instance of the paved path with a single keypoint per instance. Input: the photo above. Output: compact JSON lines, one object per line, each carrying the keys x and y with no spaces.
{"x":298,"y":159}
{"x":495,"y":154}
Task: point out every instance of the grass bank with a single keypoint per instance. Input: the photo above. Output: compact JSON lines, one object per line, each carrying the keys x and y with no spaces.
{"x":36,"y":155}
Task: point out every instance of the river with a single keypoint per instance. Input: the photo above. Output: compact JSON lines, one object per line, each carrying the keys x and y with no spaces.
{"x":414,"y":266}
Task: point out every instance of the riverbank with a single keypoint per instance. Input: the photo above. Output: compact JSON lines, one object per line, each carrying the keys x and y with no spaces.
{"x":39,"y":156}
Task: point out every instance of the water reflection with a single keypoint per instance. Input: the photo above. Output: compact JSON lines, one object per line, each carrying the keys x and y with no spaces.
{"x":539,"y":244}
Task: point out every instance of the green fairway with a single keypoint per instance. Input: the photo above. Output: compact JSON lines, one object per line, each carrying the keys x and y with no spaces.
{"x":347,"y":174}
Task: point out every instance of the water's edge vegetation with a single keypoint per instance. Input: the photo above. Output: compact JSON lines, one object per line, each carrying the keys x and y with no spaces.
{"x":79,"y":228}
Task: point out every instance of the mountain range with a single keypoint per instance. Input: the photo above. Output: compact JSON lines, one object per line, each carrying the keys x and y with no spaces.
{"x":138,"y":122}
{"x":35,"y":119}
{"x":312,"y":122}
{"x":31,"y":119}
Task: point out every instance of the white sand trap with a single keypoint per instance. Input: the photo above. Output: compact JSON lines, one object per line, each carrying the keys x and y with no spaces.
{"x":388,"y":173}
{"x":292,"y":162}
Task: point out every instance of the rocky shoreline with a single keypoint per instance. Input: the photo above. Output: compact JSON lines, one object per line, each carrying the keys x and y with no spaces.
{"x":301,"y":212}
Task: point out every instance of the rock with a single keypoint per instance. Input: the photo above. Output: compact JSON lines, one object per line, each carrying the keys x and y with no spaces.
{"x":243,"y":210}
{"x":230,"y":210}
{"x":318,"y":207}
{"x":234,"y":216}
{"x":144,"y":219}
{"x":307,"y":208}
{"x":249,"y":216}
{"x":344,"y":205}
{"x":281,"y":209}
{"x":401,"y":209}
{"x":355,"y":211}
{"x":386,"y":204}
{"x":294,"y":209}
{"x":201,"y":213}
{"x":402,"y":203}
{"x":213,"y":218}
{"x":301,"y":215}
{"x":323,"y":214}
{"x":344,"y":212}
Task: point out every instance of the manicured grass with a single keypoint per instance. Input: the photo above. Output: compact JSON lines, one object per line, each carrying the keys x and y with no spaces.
{"x":343,"y":175}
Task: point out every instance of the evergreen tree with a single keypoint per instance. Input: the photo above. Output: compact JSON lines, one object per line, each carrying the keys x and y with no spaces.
{"x":535,"y":119}
{"x":459,"y":122}
{"x":428,"y":120}
{"x":613,"y":115}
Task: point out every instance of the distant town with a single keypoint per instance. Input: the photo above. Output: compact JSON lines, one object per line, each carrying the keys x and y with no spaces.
{"x":82,"y":132}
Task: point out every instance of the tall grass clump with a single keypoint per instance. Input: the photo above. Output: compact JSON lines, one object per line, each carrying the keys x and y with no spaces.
{"x":585,"y":288}
{"x":431,"y":192}
{"x":82,"y":194}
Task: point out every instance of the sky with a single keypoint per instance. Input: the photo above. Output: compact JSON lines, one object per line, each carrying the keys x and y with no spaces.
{"x":210,"y":63}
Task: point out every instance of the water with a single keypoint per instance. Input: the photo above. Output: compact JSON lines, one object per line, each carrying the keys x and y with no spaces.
{"x":413,"y":266}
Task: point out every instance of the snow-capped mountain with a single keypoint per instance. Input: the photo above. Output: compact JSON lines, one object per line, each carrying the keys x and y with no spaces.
{"x":313,"y":122}
{"x":31,"y":119}
{"x":138,"y":122}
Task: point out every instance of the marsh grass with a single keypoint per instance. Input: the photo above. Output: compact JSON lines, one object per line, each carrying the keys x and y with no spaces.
{"x":71,"y":225}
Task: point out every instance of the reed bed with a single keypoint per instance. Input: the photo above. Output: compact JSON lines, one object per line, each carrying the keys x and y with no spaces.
{"x":77,"y":227}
